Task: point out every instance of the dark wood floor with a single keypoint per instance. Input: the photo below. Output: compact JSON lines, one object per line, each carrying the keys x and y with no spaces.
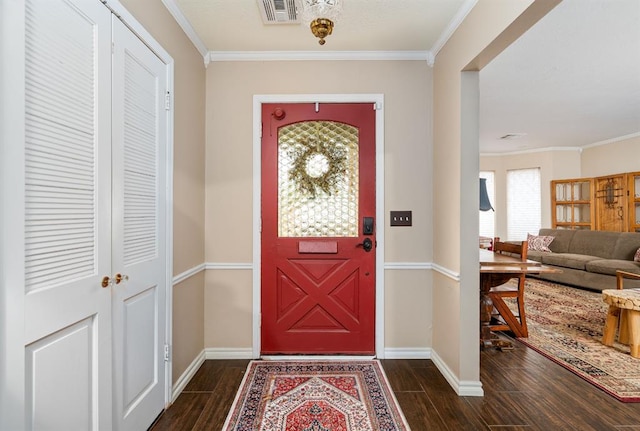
{"x":523,"y":391}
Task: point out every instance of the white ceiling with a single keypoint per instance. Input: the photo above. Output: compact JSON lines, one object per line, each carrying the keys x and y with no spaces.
{"x":365,"y":25}
{"x":572,"y":80}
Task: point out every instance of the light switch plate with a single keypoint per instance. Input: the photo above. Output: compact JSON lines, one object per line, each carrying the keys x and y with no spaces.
{"x":400,"y":218}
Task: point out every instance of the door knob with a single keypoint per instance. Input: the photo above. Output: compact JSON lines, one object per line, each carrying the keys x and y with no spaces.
{"x":107,"y":281}
{"x":119,"y":277}
{"x":367,"y":244}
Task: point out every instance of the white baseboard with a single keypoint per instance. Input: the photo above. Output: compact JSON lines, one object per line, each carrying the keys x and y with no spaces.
{"x":210,"y":353}
{"x":407,"y":353}
{"x":229,"y":353}
{"x":470,"y":388}
{"x":464,"y":388}
{"x":187,"y":376}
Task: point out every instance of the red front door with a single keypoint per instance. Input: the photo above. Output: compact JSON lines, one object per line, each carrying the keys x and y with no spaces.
{"x":318,"y":229}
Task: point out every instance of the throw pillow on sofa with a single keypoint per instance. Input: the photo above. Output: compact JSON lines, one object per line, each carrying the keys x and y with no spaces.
{"x":539,"y":242}
{"x":636,"y":258}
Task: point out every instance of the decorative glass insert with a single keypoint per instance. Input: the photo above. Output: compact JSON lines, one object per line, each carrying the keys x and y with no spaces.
{"x":561,"y":213}
{"x":581,"y":192}
{"x":582,"y":213}
{"x":318,"y":180}
{"x":561,"y":193}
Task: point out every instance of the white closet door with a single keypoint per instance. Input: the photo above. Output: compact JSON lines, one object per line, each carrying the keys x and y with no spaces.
{"x":68,"y":365}
{"x":139,"y":226}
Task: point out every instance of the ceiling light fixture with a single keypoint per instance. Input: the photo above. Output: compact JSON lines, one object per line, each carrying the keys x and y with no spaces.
{"x":321,"y":16}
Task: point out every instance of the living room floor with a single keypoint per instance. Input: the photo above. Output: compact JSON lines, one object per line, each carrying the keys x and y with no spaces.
{"x":523,"y":390}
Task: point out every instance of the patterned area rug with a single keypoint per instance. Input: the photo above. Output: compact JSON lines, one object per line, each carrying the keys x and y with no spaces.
{"x":315,"y":396}
{"x":565,"y":324}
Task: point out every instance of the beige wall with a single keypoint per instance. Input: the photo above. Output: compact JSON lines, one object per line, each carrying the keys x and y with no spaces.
{"x":188,"y":323}
{"x":613,"y":158}
{"x":408,"y":307}
{"x":486,"y":31}
{"x":406,"y":86}
{"x":188,"y":182}
{"x":228,"y":310}
{"x":553,"y":164}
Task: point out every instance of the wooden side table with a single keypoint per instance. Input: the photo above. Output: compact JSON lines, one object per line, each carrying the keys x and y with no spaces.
{"x":627,"y":300}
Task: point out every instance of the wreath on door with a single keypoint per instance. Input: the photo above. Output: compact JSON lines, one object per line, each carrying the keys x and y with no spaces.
{"x":317,"y":167}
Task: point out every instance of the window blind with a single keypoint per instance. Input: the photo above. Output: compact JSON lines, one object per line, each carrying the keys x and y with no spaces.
{"x":523,"y":203}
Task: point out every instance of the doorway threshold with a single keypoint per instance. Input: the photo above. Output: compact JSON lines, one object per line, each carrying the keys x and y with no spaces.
{"x":316,"y":358}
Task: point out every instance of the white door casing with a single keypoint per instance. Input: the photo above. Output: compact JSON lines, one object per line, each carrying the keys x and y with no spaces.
{"x":377,"y":101}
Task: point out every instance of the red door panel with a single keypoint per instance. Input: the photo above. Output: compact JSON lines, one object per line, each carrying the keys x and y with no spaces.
{"x":317,"y":288}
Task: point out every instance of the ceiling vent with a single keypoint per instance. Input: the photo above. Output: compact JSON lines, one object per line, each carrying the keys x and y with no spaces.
{"x":279,"y":11}
{"x":513,"y":136}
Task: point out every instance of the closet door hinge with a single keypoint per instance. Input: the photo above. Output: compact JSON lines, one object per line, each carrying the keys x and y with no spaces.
{"x":167,"y":101}
{"x":166,"y":353}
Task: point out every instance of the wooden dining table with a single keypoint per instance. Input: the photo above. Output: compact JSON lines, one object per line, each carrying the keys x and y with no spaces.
{"x":497,"y":269}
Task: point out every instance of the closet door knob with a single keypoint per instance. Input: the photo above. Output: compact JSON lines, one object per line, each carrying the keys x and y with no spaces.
{"x":106,"y":281}
{"x":119,"y":277}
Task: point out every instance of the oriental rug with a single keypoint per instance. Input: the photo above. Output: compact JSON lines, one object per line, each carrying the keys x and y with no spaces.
{"x":315,"y":396}
{"x":565,"y":325}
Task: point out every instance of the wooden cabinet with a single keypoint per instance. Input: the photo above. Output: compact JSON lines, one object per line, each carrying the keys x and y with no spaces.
{"x":610,"y":203}
{"x":572,"y":204}
{"x":633,"y":193}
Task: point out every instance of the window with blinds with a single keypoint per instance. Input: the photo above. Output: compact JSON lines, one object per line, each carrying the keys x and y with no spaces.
{"x":523,"y":203}
{"x":488,"y":218}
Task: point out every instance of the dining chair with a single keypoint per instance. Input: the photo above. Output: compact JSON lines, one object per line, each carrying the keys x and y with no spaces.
{"x":504,"y":319}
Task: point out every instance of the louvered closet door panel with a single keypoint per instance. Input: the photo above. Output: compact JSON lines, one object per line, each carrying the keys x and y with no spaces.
{"x":139,"y":245}
{"x":67,"y":214}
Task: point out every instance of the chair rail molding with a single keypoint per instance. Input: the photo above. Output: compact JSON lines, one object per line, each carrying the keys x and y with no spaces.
{"x":446,"y":272}
{"x":177,"y":279}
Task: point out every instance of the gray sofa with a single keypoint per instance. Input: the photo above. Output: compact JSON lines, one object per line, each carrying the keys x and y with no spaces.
{"x":589,"y":259}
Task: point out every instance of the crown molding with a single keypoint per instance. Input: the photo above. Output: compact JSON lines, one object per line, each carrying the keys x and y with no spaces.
{"x":184,"y":23}
{"x":319,"y":55}
{"x":613,"y":140}
{"x":579,"y":149}
{"x":209,"y":56}
{"x":533,"y":150}
{"x":452,"y":27}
